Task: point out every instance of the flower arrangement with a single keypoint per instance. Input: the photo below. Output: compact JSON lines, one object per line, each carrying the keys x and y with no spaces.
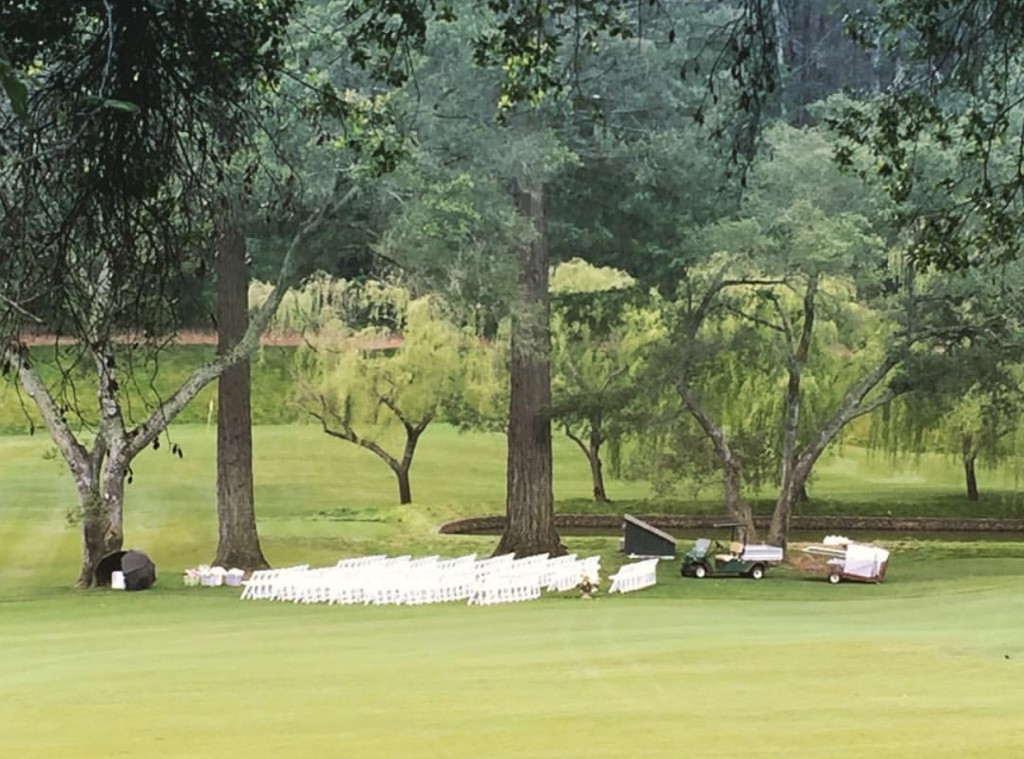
{"x":587,"y":587}
{"x":211,"y":577}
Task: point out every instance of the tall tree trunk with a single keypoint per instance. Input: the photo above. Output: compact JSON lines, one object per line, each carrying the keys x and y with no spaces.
{"x":597,"y":477}
{"x":781,"y":43}
{"x":404,"y":488}
{"x":401,"y":468}
{"x":970,"y":474}
{"x":529,"y":504}
{"x":238,"y":543}
{"x":793,"y":470}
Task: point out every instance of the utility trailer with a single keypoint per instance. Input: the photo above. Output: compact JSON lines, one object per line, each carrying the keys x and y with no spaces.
{"x":844,"y":559}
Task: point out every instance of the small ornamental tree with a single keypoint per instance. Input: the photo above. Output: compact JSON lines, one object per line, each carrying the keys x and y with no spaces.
{"x":600,"y":329}
{"x":382,"y":398}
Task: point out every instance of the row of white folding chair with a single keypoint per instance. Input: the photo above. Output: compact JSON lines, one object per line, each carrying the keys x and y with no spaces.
{"x":312,"y":586}
{"x":346,"y":583}
{"x":359,"y":562}
{"x":484,"y":567}
{"x":569,"y":575}
{"x":451,"y":580}
{"x":635,"y":576}
{"x":424,"y":580}
{"x":590,"y":568}
{"x":555,"y":567}
{"x":268,"y":583}
{"x":401,"y":579}
{"x":563,"y":573}
{"x":380,"y":578}
{"x":519,"y":580}
{"x":348,"y":586}
{"x":317,"y":585}
{"x":391,"y":585}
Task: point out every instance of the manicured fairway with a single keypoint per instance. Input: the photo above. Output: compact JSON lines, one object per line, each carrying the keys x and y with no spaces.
{"x":929,"y":664}
{"x":197,"y":673}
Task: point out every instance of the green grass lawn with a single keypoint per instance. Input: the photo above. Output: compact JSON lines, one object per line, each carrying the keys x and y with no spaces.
{"x":928,"y":664}
{"x":786,"y":667}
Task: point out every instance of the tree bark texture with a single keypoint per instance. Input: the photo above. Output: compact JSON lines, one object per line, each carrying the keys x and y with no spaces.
{"x":597,"y":476}
{"x":529,"y":499}
{"x":99,"y":473}
{"x":401,"y":468}
{"x":970,"y":473}
{"x":102,"y":510}
{"x":592,"y":450}
{"x":238,"y":543}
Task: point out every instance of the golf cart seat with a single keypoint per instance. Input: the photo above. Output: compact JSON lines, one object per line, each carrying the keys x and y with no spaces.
{"x":735,"y":551}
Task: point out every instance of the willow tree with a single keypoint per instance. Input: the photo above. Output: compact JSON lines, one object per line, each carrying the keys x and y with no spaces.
{"x":601,"y":327}
{"x":362,"y":389}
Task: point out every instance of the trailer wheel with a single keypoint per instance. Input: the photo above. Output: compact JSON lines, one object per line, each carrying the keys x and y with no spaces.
{"x":834,"y":578}
{"x":700,"y":571}
{"x":756,"y":572}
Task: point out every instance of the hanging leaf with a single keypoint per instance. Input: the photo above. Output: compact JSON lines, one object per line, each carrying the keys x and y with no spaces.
{"x":17,"y":92}
{"x":121,"y":105}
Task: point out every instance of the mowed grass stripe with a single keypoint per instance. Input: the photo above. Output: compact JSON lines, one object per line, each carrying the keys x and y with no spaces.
{"x":211,"y":676}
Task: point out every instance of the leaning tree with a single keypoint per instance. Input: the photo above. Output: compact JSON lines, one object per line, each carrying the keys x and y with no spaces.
{"x":109,"y":174}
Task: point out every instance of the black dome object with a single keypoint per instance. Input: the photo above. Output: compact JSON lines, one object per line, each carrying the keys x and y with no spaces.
{"x":139,"y":570}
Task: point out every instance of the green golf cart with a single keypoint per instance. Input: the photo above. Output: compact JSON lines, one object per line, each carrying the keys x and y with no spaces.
{"x":710,"y":558}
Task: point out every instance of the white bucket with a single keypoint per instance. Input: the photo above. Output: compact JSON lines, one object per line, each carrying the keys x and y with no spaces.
{"x":117,"y":580}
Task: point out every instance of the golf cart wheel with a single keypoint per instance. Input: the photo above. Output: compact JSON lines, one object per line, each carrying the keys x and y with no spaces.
{"x":834,"y":578}
{"x":700,"y":571}
{"x":756,"y":572}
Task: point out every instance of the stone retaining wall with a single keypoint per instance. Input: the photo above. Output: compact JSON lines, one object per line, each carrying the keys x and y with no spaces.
{"x":824,"y":524}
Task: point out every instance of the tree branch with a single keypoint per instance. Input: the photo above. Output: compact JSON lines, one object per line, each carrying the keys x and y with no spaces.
{"x":148,"y":430}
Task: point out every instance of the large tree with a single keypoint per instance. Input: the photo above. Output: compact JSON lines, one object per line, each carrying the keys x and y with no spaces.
{"x":554,"y":56}
{"x":108,"y":174}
